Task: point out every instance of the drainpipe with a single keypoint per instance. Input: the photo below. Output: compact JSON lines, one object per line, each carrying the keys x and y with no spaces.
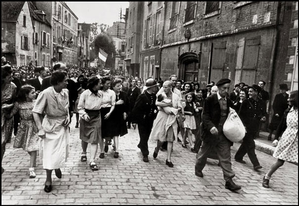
{"x":210,"y":63}
{"x":274,"y":56}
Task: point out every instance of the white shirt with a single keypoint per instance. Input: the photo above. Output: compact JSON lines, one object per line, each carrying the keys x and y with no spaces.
{"x":90,"y":101}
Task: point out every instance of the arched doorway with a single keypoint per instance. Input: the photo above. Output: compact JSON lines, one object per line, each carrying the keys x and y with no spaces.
{"x":188,"y":67}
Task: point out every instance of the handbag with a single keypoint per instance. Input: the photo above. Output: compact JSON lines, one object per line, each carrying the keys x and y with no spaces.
{"x":233,"y":127}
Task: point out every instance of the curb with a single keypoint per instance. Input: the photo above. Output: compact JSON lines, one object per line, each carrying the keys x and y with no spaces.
{"x":264,"y":147}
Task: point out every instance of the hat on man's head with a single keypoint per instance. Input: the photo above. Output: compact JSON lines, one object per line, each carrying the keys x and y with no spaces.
{"x":256,"y":88}
{"x":222,"y":82}
{"x":283,"y":87}
{"x":210,"y":84}
{"x":149,"y":83}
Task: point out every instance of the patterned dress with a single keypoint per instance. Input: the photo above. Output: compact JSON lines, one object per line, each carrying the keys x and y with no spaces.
{"x":26,"y":137}
{"x":287,"y":148}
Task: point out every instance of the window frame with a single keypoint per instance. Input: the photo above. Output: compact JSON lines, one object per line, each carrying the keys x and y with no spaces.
{"x":194,"y":15}
{"x":214,"y":13}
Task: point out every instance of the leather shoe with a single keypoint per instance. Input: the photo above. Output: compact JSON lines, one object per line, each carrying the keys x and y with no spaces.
{"x":145,"y":159}
{"x":199,"y":173}
{"x":48,"y":188}
{"x":240,"y":161}
{"x":265,"y":182}
{"x":256,"y":168}
{"x":231,"y":185}
{"x":102,"y":155}
{"x":169,"y":163}
{"x":58,"y":173}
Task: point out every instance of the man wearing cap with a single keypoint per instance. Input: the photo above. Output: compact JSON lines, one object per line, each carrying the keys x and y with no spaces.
{"x":280,"y":104}
{"x":235,"y":94}
{"x":144,"y":114}
{"x":252,"y":111}
{"x":215,"y":112}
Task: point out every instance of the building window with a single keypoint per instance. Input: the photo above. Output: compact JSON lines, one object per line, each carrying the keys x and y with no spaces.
{"x":158,"y":29}
{"x":212,"y":6}
{"x":190,"y":11}
{"x":22,"y":59}
{"x":69,"y":19}
{"x":48,"y":40}
{"x":65,"y":16}
{"x":24,"y":43}
{"x":43,"y":59}
{"x":59,"y":12}
{"x":149,"y":6}
{"x":174,"y":15}
{"x":24,"y":21}
{"x":44,"y":38}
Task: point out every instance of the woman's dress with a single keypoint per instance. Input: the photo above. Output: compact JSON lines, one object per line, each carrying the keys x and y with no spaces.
{"x":55,"y":106}
{"x":164,"y":122}
{"x":26,"y":137}
{"x":287,"y":148}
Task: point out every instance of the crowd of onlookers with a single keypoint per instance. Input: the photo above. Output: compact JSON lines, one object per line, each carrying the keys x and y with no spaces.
{"x":105,"y":108}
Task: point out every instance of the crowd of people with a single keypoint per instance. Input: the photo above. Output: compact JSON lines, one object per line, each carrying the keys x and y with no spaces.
{"x":170,"y":111}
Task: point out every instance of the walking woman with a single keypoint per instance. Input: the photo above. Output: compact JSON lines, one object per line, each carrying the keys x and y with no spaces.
{"x":90,"y":122}
{"x":52,"y":118}
{"x":165,"y":126}
{"x":287,"y":148}
{"x":107,"y":107}
{"x":119,"y":114}
{"x":8,"y":97}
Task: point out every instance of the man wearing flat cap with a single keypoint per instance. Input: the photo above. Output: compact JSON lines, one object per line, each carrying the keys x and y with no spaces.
{"x":215,"y":112}
{"x":252,"y":111}
{"x":144,"y":114}
{"x":280,"y":104}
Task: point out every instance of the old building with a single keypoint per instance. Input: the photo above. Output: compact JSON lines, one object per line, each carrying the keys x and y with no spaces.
{"x":16,"y":32}
{"x":64,"y":31}
{"x":41,"y":36}
{"x":133,"y":37}
{"x":117,"y":32}
{"x":84,"y":41}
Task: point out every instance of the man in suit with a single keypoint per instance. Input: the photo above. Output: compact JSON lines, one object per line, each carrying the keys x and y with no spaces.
{"x":215,"y":112}
{"x":40,"y":73}
{"x":280,"y":104}
{"x":132,"y":95}
{"x":144,"y":114}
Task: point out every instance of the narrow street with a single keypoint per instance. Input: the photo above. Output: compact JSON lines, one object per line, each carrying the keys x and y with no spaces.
{"x":129,"y":180}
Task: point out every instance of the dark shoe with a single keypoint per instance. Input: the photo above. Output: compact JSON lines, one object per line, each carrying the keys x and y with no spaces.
{"x":115,"y":155}
{"x":48,"y":188}
{"x":106,"y":148}
{"x":219,"y":164}
{"x":231,"y":185}
{"x":183,"y":145}
{"x":145,"y":159}
{"x":193,"y":150}
{"x":93,"y":167}
{"x":58,"y":173}
{"x":102,"y":155}
{"x":240,"y":161}
{"x":169,"y":163}
{"x":265,"y":182}
{"x":199,"y":173}
{"x":83,"y":158}
{"x":77,"y":125}
{"x":256,"y":168}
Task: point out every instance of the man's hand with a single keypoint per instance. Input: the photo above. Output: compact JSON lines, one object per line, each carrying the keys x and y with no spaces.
{"x":41,"y":133}
{"x":214,"y":131}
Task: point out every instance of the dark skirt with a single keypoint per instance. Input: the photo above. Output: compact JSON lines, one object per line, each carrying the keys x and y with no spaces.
{"x":91,"y":131}
{"x":108,"y":130}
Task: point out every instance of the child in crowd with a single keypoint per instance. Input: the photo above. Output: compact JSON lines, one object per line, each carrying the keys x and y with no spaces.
{"x":26,"y":136}
{"x":189,"y":123}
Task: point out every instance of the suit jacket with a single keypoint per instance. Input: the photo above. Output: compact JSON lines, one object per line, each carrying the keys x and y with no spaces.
{"x":35,"y":83}
{"x":211,"y":116}
{"x":132,"y":97}
{"x":280,"y":103}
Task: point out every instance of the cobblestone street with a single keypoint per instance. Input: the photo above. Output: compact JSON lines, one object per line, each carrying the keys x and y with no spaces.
{"x":129,"y":180}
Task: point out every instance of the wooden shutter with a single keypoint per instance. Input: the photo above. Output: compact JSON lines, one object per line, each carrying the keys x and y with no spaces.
{"x":218,"y":61}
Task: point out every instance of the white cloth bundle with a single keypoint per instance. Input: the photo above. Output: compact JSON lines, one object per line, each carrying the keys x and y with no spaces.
{"x":233,"y":127}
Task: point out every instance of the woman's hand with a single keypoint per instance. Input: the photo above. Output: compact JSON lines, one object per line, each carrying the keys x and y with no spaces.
{"x":66,"y":122}
{"x":86,"y":117}
{"x":107,"y":115}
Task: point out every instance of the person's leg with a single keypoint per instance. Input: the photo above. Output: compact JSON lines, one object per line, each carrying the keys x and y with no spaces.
{"x":116,"y":145}
{"x":77,"y":120}
{"x":250,"y":148}
{"x":159,"y":144}
{"x":184,"y":137}
{"x":201,"y":157}
{"x":93,"y":152}
{"x":190,"y":137}
{"x":274,"y":167}
{"x":32,"y":164}
{"x":169,"y":150}
{"x":48,"y":177}
{"x":102,"y":155}
{"x":242,"y":149}
{"x":2,"y":154}
{"x":143,"y":134}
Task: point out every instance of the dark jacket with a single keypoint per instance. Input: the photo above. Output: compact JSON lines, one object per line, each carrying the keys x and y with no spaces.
{"x":251,"y":112}
{"x":35,"y":83}
{"x":144,"y":112}
{"x":280,"y":104}
{"x":132,"y":97}
{"x":211,"y":116}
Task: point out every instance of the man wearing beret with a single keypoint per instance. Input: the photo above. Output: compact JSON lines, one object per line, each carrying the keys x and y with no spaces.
{"x":215,"y":112}
{"x":252,"y":111}
{"x":144,"y":114}
{"x":280,"y":104}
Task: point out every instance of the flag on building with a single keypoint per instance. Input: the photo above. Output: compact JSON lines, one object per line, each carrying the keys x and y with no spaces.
{"x":103,"y":55}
